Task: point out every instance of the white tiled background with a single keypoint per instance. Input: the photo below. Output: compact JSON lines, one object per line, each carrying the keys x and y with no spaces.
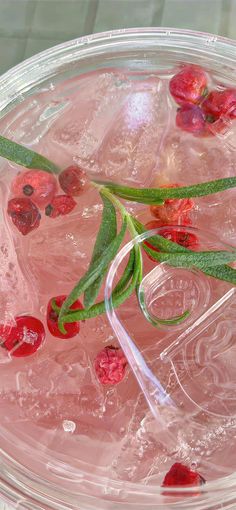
{"x":30,"y":26}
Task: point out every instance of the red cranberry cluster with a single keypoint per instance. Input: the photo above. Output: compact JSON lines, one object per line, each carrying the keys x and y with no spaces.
{"x":36,"y":190}
{"x":27,"y":335}
{"x":200,"y":111}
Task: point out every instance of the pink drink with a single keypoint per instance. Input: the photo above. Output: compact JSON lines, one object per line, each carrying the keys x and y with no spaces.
{"x":120,"y":126}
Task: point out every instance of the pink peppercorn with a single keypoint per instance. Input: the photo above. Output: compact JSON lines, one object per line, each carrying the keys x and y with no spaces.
{"x":110,"y":365}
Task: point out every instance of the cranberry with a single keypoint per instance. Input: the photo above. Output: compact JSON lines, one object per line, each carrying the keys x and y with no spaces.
{"x":189,"y":85}
{"x":60,"y":206}
{"x":38,"y":185}
{"x":71,"y":328}
{"x":110,"y":365}
{"x":24,"y":214}
{"x":173,"y":210}
{"x":190,"y":118}
{"x":220,"y":102}
{"x":73,"y":180}
{"x":186,"y":239}
{"x":180,"y":475}
{"x":24,"y":338}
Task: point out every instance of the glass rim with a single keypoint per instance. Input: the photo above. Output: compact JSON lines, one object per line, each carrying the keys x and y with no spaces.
{"x":34,"y":70}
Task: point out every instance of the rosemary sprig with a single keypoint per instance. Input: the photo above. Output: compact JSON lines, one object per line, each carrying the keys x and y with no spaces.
{"x":134,"y":267}
{"x":108,"y":242}
{"x":157,"y":196}
{"x":118,"y":298}
{"x":93,"y":274}
{"x":27,"y":158}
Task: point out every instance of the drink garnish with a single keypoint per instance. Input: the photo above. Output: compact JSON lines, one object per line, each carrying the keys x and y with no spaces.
{"x":172,"y":251}
{"x":110,"y":365}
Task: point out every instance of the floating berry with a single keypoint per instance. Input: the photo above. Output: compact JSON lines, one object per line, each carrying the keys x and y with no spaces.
{"x":38,"y":185}
{"x":174,"y":210}
{"x":110,"y":365}
{"x":24,"y":338}
{"x":73,"y":180}
{"x":72,"y":328}
{"x":186,"y":239}
{"x":24,"y":214}
{"x":220,"y":103}
{"x":180,"y":475}
{"x":189,"y":85}
{"x":60,"y":206}
{"x":191,"y":118}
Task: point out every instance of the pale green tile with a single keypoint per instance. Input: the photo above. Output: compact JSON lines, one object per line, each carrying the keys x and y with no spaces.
{"x":34,"y":46}
{"x":202,"y":15}
{"x":225,"y":17}
{"x":91,"y":16}
{"x":231,"y":28}
{"x":113,"y":14}
{"x":11,"y":52}
{"x":58,"y":18}
{"x":15,"y":17}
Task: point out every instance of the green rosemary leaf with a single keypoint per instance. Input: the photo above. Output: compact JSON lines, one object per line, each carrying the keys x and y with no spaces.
{"x":128,"y":272}
{"x":118,"y":298}
{"x":226,"y":273}
{"x":106,"y":234}
{"x":25,"y":157}
{"x":159,"y":241}
{"x":91,"y":275}
{"x":222,"y":272}
{"x":159,"y":195}
{"x":201,"y":259}
{"x":175,"y":320}
{"x":157,"y":321}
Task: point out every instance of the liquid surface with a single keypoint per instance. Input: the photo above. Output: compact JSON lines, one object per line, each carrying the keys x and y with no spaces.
{"x":120,"y":127}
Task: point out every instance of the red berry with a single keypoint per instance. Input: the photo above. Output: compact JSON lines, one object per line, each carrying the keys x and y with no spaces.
{"x":40,"y":186}
{"x":179,"y":476}
{"x":190,"y":118}
{"x":110,"y":365}
{"x":24,"y":338}
{"x":60,"y":206}
{"x":72,"y":328}
{"x":174,"y":210}
{"x":189,"y":85}
{"x":220,"y":102}
{"x":24,"y":214}
{"x":73,"y":180}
